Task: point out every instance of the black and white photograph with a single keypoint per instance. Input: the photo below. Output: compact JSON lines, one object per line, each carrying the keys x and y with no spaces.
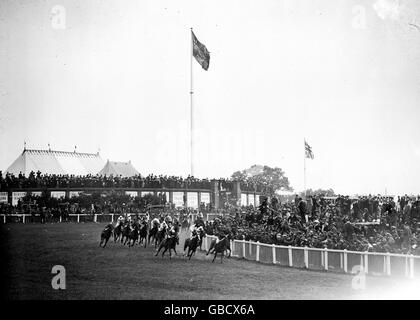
{"x":221,"y":151}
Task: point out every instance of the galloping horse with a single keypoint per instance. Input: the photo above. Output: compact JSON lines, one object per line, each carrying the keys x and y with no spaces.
{"x":106,"y":234}
{"x":125,"y":233}
{"x":143,"y":234}
{"x":201,"y":235}
{"x":160,"y":236}
{"x":220,"y":247}
{"x":192,"y":245}
{"x":133,"y":235}
{"x":168,"y":243}
{"x":154,"y":224}
{"x":117,"y":231}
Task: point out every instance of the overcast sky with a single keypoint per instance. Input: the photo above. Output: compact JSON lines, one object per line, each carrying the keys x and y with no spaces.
{"x":115,"y":75}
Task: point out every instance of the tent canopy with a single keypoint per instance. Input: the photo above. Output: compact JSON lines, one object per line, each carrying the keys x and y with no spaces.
{"x":56,"y":162}
{"x":114,"y":168}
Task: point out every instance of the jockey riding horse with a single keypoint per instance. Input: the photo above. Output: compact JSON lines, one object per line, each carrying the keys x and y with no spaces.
{"x":170,"y":241}
{"x":106,"y":234}
{"x":154,"y":227}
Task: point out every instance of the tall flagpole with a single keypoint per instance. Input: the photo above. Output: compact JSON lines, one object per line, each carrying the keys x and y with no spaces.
{"x":304,"y":165}
{"x":191,"y":110}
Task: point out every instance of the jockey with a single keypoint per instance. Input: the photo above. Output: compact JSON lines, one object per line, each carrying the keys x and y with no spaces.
{"x":120,"y":220}
{"x":147,"y":217}
{"x":162,"y":225}
{"x":172,"y":231}
{"x":155,"y":222}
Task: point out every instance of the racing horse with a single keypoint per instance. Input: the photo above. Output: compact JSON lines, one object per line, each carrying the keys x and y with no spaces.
{"x":201,"y":235}
{"x":168,"y":243}
{"x":125,"y":233}
{"x":106,"y":234}
{"x":191,"y":244}
{"x":117,"y":231}
{"x":143,"y":234}
{"x":160,"y":236}
{"x":152,"y":234}
{"x":220,"y":247}
{"x":133,"y":236}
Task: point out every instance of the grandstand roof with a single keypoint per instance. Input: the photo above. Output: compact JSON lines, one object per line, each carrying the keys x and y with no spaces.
{"x":56,"y":162}
{"x":124,"y":169}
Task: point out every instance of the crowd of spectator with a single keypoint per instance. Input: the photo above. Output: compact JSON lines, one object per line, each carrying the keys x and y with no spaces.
{"x":371,"y":223}
{"x":39,"y":180}
{"x":366,"y":223}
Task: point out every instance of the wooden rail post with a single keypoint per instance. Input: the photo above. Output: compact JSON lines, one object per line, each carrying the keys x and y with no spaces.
{"x":411,"y":266}
{"x":326,"y":259}
{"x":290,"y":256}
{"x":345,"y":260}
{"x":388,"y":263}
{"x":273,"y":248}
{"x":366,"y":267}
{"x":257,"y":256}
{"x":306,"y":257}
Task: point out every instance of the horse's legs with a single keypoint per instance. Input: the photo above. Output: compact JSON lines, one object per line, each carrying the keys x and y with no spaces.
{"x":164,"y":252}
{"x":215,"y":254}
{"x":106,"y":241}
{"x":160,"y":247}
{"x":221,"y":257}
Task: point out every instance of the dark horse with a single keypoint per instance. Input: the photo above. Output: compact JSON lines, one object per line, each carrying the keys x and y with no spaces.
{"x":133,"y":236}
{"x":220,"y":247}
{"x":192,"y":245}
{"x":160,"y":236}
{"x":125,"y":233}
{"x":168,"y":243}
{"x":143,"y":234}
{"x":117,"y":231}
{"x":202,"y":234}
{"x":152,"y":234}
{"x":106,"y":234}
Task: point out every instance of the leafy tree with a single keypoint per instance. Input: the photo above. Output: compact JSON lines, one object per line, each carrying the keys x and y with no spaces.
{"x":321,"y":192}
{"x":264,"y":178}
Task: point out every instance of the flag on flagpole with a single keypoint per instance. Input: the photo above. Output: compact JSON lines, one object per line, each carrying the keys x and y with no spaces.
{"x":308,"y":151}
{"x":200,"y":53}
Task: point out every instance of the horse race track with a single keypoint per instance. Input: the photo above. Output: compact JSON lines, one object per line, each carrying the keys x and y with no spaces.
{"x":29,"y":251}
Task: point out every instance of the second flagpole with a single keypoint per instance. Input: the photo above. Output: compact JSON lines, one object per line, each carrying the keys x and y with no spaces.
{"x":191,"y":109}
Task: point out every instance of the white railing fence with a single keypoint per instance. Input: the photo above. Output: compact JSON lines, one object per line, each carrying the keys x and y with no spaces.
{"x":372,"y":263}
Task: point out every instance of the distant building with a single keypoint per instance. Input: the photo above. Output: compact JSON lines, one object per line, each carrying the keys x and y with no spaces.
{"x":56,"y":162}
{"x":124,"y":169}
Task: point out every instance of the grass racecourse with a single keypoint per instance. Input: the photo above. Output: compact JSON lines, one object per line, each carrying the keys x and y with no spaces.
{"x":29,"y":251}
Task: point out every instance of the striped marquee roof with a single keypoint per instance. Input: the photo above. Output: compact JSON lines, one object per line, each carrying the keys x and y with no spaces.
{"x":56,"y":162}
